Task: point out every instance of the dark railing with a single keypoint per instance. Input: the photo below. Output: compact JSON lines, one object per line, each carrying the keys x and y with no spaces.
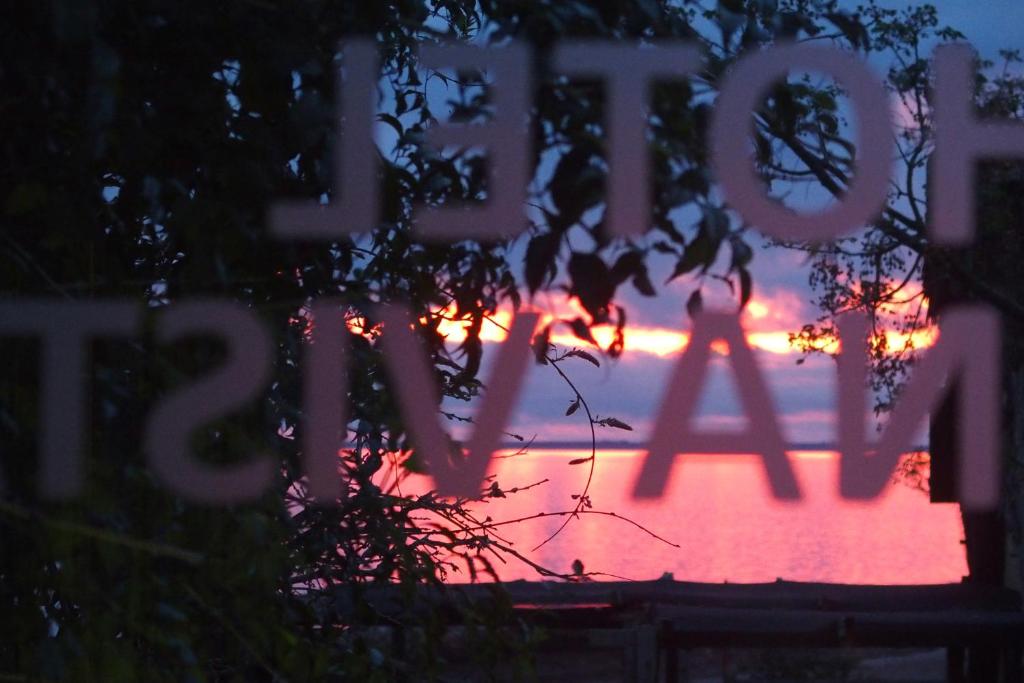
{"x":654,"y":622}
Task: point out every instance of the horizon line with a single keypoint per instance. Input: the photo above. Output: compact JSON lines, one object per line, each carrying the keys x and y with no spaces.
{"x":642,"y":445}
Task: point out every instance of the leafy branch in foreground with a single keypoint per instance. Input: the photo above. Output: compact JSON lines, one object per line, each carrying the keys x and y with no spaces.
{"x":548,"y":354}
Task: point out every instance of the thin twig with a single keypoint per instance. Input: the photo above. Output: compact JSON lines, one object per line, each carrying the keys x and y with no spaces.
{"x":582,"y":500}
{"x":542,"y":515}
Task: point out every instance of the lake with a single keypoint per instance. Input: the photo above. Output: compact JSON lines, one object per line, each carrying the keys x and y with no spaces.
{"x":719,"y":510}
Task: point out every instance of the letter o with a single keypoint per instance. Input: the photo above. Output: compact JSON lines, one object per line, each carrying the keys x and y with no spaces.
{"x":731,"y":160}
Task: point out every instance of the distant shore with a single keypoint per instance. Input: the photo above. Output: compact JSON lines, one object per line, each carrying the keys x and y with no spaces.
{"x":641,"y":445}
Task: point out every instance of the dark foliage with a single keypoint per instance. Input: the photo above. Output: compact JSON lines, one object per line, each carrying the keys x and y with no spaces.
{"x":144,"y":142}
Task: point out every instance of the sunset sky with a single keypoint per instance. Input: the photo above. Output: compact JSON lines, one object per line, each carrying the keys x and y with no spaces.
{"x":630,"y":388}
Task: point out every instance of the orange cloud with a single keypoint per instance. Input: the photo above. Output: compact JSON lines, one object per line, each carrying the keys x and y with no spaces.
{"x":768,"y":321}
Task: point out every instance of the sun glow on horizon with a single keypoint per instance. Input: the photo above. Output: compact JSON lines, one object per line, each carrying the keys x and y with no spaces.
{"x":766,"y":329}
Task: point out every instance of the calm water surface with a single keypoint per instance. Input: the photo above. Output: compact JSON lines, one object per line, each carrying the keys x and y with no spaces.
{"x":720,"y":511}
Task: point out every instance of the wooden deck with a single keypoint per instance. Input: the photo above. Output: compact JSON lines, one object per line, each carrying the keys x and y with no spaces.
{"x":656,"y":622}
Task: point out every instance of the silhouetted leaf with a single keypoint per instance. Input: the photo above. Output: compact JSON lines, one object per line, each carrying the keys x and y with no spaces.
{"x":614,"y":422}
{"x":592,"y":284}
{"x":851,"y":27}
{"x":540,"y":259}
{"x":642,"y":282}
{"x":393,"y":122}
{"x":695,"y":303}
{"x":627,"y":265}
{"x":715,"y":224}
{"x":576,"y":184}
{"x":619,"y":341}
{"x":573,"y":407}
{"x":699,"y":252}
{"x":741,"y":253}
{"x":580,"y":353}
{"x":695,"y":180}
{"x":566,"y":174}
{"x":580,"y":329}
{"x":541,"y":343}
{"x":746,"y":287}
{"x":830,"y":123}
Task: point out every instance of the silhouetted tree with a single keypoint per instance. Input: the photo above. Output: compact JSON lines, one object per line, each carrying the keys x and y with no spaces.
{"x":144,"y":143}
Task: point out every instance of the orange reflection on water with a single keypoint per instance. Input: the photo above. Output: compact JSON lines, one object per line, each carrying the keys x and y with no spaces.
{"x":719,"y":510}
